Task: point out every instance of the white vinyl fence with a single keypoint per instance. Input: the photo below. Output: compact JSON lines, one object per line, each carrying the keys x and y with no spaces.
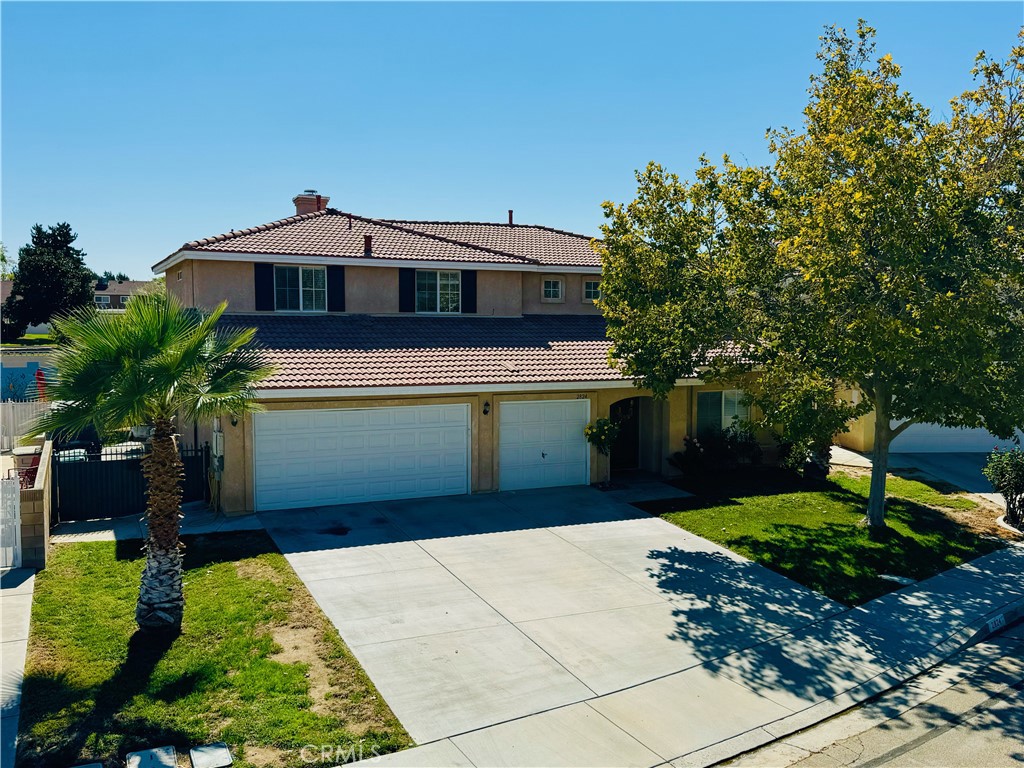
{"x":16,"y":416}
{"x":10,"y":524}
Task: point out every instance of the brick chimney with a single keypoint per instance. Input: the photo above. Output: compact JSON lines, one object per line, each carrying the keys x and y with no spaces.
{"x":309,"y":202}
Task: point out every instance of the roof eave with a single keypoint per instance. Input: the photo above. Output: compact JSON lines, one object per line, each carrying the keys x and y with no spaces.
{"x":288,"y":258}
{"x":305,"y":393}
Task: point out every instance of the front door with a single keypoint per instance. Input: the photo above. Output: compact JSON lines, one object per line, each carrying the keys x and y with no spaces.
{"x":626,"y":449}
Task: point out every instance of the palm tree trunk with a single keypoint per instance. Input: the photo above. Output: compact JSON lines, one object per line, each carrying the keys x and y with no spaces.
{"x":161,"y":602}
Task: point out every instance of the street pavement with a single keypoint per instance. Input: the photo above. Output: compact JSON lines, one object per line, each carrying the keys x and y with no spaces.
{"x":967,"y":712}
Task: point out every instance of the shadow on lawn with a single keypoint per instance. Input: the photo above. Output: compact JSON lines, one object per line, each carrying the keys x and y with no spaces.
{"x":203,"y":549}
{"x":88,"y":734}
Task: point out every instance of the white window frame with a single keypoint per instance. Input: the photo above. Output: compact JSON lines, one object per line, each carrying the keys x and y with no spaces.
{"x":544,"y":280}
{"x":302,"y":291}
{"x":102,"y":302}
{"x":586,"y":288}
{"x":438,"y":289}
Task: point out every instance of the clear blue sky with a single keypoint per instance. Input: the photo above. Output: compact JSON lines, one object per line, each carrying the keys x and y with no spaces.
{"x":147,"y":125}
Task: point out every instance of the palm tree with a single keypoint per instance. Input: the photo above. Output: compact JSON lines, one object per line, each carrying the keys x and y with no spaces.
{"x":156,"y":362}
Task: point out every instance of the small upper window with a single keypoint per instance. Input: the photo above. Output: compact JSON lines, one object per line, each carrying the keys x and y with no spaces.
{"x":179,"y":275}
{"x":103,"y":302}
{"x":551,"y":289}
{"x":591,"y":290}
{"x":300,"y":289}
{"x":438,"y":291}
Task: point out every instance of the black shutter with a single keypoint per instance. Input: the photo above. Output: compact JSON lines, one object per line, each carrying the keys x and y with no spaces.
{"x":468,"y":288}
{"x":406,"y":289}
{"x":336,"y":288}
{"x":264,"y":277}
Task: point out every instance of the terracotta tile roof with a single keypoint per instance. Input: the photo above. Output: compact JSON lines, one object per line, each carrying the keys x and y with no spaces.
{"x":369,"y":351}
{"x":542,"y":244}
{"x":335,"y":233}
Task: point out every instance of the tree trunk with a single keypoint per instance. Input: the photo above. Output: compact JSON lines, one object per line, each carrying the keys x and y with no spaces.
{"x":161,"y":602}
{"x":879,"y":463}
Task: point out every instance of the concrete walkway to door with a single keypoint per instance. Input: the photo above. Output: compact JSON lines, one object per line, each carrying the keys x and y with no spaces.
{"x":476,"y":610}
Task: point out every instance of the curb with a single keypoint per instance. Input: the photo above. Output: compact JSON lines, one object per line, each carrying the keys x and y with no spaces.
{"x":968,"y":635}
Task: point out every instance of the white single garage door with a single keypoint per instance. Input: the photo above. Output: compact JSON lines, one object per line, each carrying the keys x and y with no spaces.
{"x":312,"y":458}
{"x":934,"y":438}
{"x":541,"y":444}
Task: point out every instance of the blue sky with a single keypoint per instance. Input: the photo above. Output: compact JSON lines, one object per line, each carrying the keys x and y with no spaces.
{"x":147,"y":125}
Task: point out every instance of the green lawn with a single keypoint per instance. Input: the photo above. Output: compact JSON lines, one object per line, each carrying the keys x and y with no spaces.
{"x":31,"y":340}
{"x":814,"y":533}
{"x":257,"y":664}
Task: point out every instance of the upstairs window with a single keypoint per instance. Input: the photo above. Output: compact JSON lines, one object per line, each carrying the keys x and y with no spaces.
{"x":438,"y":291}
{"x":300,"y":289}
{"x":591,"y":290}
{"x":102,"y":302}
{"x":551,"y":289}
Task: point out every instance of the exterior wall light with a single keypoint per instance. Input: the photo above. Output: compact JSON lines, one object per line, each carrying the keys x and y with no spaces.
{"x":487,"y":407}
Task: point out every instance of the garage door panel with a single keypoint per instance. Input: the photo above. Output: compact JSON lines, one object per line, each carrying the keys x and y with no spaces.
{"x":541,"y":444}
{"x":321,"y":457}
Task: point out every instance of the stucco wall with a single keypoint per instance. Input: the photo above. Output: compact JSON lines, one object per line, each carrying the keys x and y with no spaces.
{"x":368,"y":289}
{"x":231,"y":281}
{"x":499,"y":293}
{"x":671,"y":423}
{"x":371,"y":290}
{"x":181,"y":289}
{"x":573,"y":290}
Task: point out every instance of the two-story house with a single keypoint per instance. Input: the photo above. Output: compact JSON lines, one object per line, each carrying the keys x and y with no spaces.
{"x":421,"y":358}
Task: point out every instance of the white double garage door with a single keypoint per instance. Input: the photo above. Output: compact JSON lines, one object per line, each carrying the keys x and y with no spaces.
{"x":317,"y":457}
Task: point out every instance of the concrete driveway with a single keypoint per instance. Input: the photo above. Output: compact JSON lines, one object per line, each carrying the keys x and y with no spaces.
{"x":474,"y":610}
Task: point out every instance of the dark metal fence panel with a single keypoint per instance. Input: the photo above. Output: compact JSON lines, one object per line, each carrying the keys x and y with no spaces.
{"x":88,"y":486}
{"x":197,"y":464}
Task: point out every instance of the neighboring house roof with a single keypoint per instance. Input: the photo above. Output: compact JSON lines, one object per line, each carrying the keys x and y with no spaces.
{"x":120,"y":288}
{"x":372,"y":351}
{"x":114,"y":288}
{"x":334,"y":233}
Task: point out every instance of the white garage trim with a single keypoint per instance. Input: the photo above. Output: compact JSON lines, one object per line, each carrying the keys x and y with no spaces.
{"x":541,"y":444}
{"x":325,"y":456}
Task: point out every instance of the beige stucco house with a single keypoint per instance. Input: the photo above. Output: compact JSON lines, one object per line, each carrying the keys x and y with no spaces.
{"x":421,"y":358}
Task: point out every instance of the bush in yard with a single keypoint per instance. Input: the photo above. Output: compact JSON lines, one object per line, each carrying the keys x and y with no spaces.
{"x":1005,"y":470}
{"x":601,"y":434}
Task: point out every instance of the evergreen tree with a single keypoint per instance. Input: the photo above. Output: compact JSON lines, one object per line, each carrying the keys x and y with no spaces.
{"x":51,"y":279}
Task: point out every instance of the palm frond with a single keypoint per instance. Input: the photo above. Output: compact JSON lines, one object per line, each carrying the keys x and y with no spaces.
{"x":153,"y":361}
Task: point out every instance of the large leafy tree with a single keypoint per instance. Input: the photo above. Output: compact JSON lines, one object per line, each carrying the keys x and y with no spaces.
{"x":154,"y":363}
{"x":51,"y":278}
{"x":881,"y":250}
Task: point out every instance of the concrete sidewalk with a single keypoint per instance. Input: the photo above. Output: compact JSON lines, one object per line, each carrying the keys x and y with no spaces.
{"x":727,"y":706}
{"x":16,"y":587}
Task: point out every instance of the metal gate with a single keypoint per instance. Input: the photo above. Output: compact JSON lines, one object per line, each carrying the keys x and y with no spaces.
{"x":10,"y":523}
{"x":89,"y":486}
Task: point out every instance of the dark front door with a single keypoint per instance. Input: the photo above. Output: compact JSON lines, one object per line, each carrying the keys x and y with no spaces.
{"x":626,"y":449}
